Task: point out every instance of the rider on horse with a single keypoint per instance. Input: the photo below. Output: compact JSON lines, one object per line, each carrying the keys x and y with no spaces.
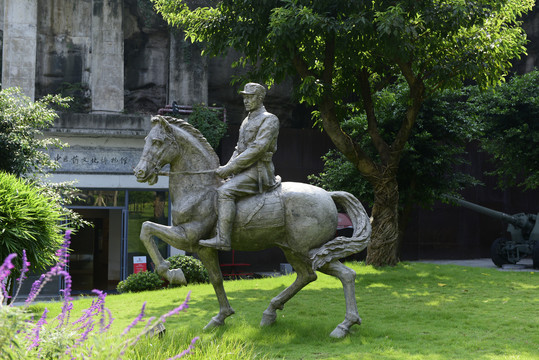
{"x":251,"y":163}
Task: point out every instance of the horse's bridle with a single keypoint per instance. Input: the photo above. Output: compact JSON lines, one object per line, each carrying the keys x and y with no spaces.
{"x":155,"y":164}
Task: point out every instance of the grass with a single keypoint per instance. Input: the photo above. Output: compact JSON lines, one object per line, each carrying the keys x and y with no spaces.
{"x":411,"y":311}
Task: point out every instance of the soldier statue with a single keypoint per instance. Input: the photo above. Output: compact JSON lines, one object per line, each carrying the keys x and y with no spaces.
{"x":250,"y":170}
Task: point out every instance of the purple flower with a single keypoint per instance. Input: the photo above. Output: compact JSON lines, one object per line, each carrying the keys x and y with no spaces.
{"x":25,"y":266}
{"x":24,"y":270}
{"x":135,"y":322}
{"x":6,"y":267}
{"x":175,"y":311}
{"x":5,"y":271}
{"x":186,"y":351}
{"x":100,"y":305}
{"x":59,"y":269}
{"x":35,"y":338}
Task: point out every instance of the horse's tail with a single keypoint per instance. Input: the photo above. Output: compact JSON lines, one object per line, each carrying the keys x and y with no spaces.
{"x":343,"y":246}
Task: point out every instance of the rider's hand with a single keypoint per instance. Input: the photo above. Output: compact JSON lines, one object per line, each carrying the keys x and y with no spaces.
{"x":223,"y":172}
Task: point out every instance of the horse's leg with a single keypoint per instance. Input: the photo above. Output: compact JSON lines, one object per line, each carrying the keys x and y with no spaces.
{"x":150,"y":229}
{"x":347,"y":277}
{"x":209,"y":258}
{"x":305,"y":275}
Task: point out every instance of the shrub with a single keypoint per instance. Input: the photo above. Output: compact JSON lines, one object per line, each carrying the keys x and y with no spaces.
{"x":209,"y":122}
{"x":142,"y":281}
{"x":29,"y":219}
{"x":192,"y":268}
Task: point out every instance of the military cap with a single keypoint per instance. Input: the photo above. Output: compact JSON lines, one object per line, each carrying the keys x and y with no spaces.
{"x":254,"y":89}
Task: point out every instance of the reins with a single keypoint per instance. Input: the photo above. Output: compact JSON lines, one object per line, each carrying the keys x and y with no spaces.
{"x":187,"y":172}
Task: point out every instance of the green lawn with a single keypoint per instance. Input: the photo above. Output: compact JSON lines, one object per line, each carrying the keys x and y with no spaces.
{"x":411,"y":311}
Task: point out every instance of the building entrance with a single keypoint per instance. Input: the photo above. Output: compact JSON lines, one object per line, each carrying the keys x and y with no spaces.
{"x":96,"y":257}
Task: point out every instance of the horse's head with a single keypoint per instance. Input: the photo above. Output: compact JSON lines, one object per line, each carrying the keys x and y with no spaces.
{"x":160,"y":148}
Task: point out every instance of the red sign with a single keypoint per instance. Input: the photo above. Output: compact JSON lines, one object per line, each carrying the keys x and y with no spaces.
{"x":139,"y":264}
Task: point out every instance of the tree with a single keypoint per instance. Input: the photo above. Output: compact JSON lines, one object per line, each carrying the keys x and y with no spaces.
{"x":509,"y":117}
{"x":430,"y":163}
{"x":346,"y":52}
{"x":22,"y":122}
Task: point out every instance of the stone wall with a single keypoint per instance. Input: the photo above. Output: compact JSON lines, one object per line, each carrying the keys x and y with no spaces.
{"x":64,"y":44}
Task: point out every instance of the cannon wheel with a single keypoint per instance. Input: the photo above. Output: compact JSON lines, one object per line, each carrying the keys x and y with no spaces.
{"x":535,"y":255}
{"x":498,"y":255}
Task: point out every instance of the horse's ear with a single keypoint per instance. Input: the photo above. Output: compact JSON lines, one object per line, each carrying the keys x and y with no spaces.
{"x":165,"y":124}
{"x":162,"y":121}
{"x":156,"y":119}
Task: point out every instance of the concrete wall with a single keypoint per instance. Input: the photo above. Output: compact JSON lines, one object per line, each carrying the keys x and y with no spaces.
{"x":64,"y":45}
{"x":20,"y":45}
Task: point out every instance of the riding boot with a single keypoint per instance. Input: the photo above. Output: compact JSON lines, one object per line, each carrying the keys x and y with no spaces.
{"x":226,"y":212}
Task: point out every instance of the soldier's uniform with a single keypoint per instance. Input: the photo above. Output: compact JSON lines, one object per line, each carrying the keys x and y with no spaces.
{"x":252,"y":160}
{"x":251,"y":166}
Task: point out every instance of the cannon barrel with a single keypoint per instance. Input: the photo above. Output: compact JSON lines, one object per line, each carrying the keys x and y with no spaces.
{"x":514,"y":220}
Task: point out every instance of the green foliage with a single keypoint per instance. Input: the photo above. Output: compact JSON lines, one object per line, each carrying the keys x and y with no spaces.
{"x":142,"y":281}
{"x":209,"y":122}
{"x":12,"y":321}
{"x":30,"y":220}
{"x":448,"y":41}
{"x":430,"y":162}
{"x":22,"y":122}
{"x":192,"y":268}
{"x":77,"y":96}
{"x":510,"y":116}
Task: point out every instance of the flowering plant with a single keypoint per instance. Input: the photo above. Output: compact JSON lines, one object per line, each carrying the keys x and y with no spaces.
{"x":23,"y":337}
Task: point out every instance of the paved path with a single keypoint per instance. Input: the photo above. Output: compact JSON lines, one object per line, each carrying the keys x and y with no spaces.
{"x":523,"y":265}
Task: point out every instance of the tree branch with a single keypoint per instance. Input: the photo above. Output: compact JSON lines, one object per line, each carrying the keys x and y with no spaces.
{"x":417,"y":92}
{"x":372,"y":125}
{"x":301,"y":66}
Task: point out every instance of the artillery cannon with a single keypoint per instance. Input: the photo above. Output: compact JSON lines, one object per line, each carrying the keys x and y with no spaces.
{"x":524,"y":231}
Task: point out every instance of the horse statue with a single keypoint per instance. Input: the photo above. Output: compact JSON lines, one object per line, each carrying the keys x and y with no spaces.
{"x":300,"y":219}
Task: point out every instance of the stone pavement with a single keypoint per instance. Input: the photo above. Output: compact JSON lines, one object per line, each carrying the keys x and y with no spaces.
{"x":523,"y":264}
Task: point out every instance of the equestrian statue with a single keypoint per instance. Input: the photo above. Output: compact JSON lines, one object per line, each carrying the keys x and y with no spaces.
{"x":242,"y":205}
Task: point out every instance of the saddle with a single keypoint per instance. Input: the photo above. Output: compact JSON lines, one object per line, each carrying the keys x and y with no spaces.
{"x":265,"y":210}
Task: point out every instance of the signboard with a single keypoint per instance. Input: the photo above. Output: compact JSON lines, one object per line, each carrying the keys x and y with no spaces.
{"x":77,"y":159}
{"x":139,"y":264}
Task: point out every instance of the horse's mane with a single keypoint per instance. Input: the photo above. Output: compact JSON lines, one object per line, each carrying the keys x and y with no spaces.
{"x":193,"y":131}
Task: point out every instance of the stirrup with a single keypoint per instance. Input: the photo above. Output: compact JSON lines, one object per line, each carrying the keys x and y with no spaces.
{"x":215,"y":243}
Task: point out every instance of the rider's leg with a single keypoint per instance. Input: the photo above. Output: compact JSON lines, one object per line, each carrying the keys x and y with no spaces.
{"x":239,"y":186}
{"x":226,"y":211}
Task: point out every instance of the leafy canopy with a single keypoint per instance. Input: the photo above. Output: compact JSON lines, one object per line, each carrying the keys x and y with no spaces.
{"x":438,"y":37}
{"x":430,"y":162}
{"x":22,"y":122}
{"x":510,"y":118}
{"x":346,"y":51}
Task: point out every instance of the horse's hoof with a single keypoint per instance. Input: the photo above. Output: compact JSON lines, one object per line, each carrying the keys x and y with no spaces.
{"x":268,"y":318}
{"x":176,"y":277}
{"x":162,"y":268}
{"x":213,"y":324}
{"x":339,"y":332}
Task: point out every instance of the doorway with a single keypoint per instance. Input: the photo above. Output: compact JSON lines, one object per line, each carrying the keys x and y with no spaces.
{"x":95,"y":260}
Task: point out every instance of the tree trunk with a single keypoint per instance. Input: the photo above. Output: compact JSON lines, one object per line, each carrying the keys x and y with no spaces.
{"x":383,"y":248}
